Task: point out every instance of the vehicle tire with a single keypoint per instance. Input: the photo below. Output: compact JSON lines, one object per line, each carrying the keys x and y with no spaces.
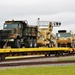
{"x":31,"y":43}
{"x":51,"y":44}
{"x":28,"y":43}
{"x":72,"y":44}
{"x":25,"y":43}
{"x":58,"y":45}
{"x":17,"y":43}
{"x":34,"y":43}
{"x":1,"y":45}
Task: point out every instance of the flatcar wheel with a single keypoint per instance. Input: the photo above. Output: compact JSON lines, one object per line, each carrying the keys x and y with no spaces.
{"x":46,"y":55}
{"x":49,"y":54}
{"x":57,"y":53}
{"x":61,"y":54}
{"x":2,"y":57}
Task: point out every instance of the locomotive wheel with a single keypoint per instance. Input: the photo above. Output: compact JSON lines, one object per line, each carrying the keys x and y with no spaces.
{"x":17,"y":43}
{"x":3,"y":57}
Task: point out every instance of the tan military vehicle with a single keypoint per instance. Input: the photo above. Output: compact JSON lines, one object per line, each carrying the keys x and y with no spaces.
{"x":65,"y":39}
{"x":45,"y":36}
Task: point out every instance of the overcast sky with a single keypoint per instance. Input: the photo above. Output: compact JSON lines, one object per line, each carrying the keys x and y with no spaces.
{"x":48,"y":10}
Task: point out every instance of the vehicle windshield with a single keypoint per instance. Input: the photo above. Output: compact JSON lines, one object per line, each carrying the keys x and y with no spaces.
{"x":12,"y":26}
{"x":63,"y":35}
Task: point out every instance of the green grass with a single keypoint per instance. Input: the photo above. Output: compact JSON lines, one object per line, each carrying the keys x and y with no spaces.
{"x":46,"y":70}
{"x":65,"y":59}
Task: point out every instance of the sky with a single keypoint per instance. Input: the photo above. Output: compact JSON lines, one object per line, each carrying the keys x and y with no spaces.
{"x":47,"y":10}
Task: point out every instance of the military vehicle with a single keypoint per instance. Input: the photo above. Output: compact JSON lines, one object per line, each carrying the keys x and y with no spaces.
{"x":64,"y":38}
{"x":17,"y":34}
{"x":45,"y":36}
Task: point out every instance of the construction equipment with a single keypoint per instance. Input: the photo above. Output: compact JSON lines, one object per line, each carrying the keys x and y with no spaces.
{"x":17,"y":34}
{"x":45,"y":36}
{"x":65,"y":39}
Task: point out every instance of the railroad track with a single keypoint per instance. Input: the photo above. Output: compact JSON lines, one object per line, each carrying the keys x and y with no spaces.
{"x":35,"y":61}
{"x":33,"y":57}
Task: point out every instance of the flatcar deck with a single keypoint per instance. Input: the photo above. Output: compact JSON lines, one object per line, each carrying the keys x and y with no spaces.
{"x":7,"y":50}
{"x":34,"y":51}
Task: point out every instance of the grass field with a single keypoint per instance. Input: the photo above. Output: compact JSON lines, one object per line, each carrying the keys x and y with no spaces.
{"x":44,"y":70}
